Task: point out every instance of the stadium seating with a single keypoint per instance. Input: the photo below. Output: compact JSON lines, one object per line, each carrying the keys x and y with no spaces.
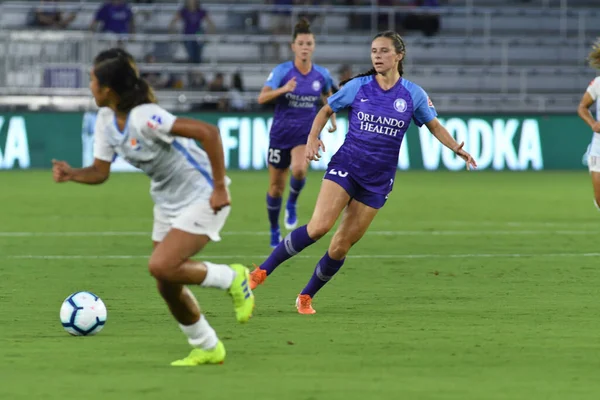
{"x":528,"y":49}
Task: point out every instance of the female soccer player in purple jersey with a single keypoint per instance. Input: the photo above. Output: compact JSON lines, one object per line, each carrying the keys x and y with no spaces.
{"x":188,"y":186}
{"x":361,"y":174}
{"x":297,"y":86}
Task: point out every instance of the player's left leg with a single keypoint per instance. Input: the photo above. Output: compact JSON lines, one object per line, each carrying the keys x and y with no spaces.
{"x":299,"y":168}
{"x":171,"y":266}
{"x":355,"y":221}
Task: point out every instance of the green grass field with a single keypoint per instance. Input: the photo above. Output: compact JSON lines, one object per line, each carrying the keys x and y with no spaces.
{"x":468,"y":286}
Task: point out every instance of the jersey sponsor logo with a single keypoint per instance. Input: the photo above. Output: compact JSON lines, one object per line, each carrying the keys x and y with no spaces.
{"x":316,"y":85}
{"x":400,"y":105}
{"x":135,"y":144}
{"x":154,"y":122}
{"x":429,"y":102}
{"x":363,"y":100}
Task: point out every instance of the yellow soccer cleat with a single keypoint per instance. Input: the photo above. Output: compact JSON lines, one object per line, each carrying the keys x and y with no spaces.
{"x":201,"y":356}
{"x":240,"y":292}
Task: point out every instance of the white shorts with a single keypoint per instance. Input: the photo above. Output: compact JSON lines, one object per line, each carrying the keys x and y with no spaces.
{"x":593,"y":163}
{"x":198,"y":219}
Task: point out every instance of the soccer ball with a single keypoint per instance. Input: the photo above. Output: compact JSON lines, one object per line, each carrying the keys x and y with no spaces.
{"x":83,"y":314}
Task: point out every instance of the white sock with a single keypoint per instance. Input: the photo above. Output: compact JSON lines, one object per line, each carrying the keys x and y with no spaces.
{"x":201,"y":334}
{"x":218,"y":276}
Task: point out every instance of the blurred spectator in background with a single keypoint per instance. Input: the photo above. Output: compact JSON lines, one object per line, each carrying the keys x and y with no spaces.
{"x":428,"y":23}
{"x":196,"y":80}
{"x":158,"y":80}
{"x":192,"y":16}
{"x":236,"y":98}
{"x":217,"y":85}
{"x":281,"y":19}
{"x":345,"y":73}
{"x":115,"y":16}
{"x":48,"y":15}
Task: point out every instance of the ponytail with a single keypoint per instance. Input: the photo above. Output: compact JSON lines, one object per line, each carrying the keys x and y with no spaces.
{"x":141,"y":93}
{"x":369,"y":72}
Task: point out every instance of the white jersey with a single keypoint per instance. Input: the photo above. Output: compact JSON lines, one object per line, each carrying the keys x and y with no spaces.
{"x":594,"y":147}
{"x":180,"y":170}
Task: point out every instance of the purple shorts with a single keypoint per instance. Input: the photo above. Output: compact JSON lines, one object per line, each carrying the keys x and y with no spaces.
{"x":355,"y":189}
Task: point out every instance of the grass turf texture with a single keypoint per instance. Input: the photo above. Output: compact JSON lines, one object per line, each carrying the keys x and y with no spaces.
{"x":470,"y":286}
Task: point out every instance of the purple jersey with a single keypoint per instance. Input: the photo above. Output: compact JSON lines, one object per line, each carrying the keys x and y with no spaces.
{"x":295,"y":111}
{"x":192,"y":20}
{"x":115,"y":18}
{"x":378,"y":120}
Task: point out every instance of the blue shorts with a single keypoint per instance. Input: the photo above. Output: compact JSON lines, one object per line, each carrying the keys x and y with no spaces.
{"x":355,"y":189}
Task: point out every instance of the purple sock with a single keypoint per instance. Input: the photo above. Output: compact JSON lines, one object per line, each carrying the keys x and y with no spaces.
{"x":295,"y":188}
{"x":294,"y":243}
{"x":325,"y":270}
{"x":273,"y":209}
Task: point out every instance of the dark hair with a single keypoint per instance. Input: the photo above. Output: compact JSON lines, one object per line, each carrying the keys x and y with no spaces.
{"x":400,"y":49}
{"x":301,"y":28}
{"x":116,"y":69}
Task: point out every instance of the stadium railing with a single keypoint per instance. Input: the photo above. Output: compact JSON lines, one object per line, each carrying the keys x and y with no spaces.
{"x":67,"y":51}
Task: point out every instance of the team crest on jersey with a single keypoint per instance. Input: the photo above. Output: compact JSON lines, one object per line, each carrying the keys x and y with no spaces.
{"x":135,"y":144}
{"x":400,"y":105}
{"x":154,"y":122}
{"x":316,"y":85}
{"x":429,"y":102}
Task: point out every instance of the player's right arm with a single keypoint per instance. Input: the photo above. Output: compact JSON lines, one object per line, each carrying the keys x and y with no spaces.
{"x":104,"y":155}
{"x":273,"y":88}
{"x":95,"y":174}
{"x":589,"y":97}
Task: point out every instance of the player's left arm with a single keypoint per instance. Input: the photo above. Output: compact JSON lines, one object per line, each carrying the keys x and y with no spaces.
{"x":441,"y":133}
{"x":209,"y":136}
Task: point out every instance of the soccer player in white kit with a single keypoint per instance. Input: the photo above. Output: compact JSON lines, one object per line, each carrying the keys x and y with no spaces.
{"x":188,"y":186}
{"x":589,"y":97}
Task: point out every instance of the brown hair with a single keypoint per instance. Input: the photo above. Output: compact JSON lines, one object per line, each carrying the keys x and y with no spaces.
{"x":301,"y":28}
{"x":594,"y":55}
{"x":116,"y":69}
{"x":398,"y":46}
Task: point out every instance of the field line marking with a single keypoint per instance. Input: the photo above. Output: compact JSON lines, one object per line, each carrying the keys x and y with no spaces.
{"x":423,"y":232}
{"x":356,"y":256}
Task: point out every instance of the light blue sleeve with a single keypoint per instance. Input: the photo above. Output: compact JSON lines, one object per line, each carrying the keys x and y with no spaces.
{"x":424,"y":110}
{"x":326,"y":77}
{"x":346,"y":95}
{"x":276,"y":76}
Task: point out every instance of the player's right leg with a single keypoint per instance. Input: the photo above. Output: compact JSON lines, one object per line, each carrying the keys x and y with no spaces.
{"x":332,"y":200}
{"x":277,"y":174}
{"x":594,"y":168}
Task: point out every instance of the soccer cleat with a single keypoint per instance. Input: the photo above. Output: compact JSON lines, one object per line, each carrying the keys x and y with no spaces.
{"x":275,"y":237}
{"x":240,"y":292}
{"x":201,"y":356}
{"x":257,"y":277}
{"x":291,"y":219}
{"x":304,"y":304}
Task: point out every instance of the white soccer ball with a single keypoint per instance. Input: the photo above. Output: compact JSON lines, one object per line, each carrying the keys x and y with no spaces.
{"x":83,"y":314}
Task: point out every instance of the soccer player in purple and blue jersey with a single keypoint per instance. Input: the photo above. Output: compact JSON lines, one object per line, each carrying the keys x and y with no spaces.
{"x":297,"y":88}
{"x":360,"y":176}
